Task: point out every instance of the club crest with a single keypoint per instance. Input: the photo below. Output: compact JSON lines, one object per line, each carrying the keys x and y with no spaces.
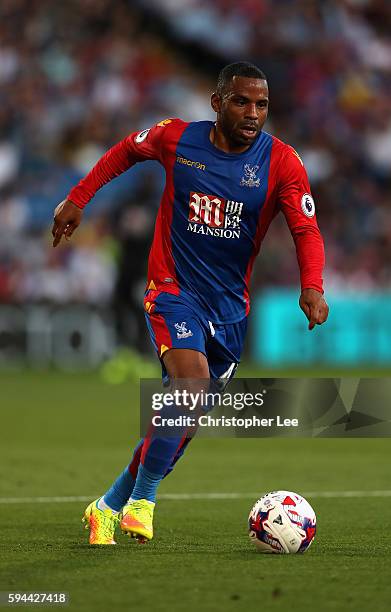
{"x":250,"y":176}
{"x":182,"y":331}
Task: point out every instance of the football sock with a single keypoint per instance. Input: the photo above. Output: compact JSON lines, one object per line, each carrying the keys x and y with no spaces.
{"x":161,"y":456}
{"x":118,"y":494}
{"x":103,"y":506}
{"x":146,"y":485}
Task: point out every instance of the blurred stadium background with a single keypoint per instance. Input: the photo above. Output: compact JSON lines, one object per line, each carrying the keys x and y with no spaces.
{"x":76,"y":77}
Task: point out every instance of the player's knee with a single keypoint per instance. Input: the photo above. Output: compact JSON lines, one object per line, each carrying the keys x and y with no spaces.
{"x":185,"y":363}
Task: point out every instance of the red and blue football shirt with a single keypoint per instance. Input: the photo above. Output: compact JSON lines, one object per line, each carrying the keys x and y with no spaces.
{"x":215,"y":210}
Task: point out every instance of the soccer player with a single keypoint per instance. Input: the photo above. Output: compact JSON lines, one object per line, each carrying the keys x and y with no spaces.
{"x":225,"y":182}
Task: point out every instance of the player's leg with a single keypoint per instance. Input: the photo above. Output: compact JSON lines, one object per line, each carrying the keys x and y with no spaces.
{"x":112,"y":502}
{"x":121,"y":489}
{"x":178,"y":335}
{"x":161,"y":451}
{"x":172,"y":326}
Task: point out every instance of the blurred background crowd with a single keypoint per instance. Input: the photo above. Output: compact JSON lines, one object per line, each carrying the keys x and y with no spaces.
{"x":77,"y":76}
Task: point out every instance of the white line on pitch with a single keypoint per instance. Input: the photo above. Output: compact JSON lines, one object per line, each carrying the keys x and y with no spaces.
{"x":195,"y":496}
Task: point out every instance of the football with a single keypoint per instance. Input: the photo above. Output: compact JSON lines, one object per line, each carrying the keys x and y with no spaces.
{"x":282,"y":522}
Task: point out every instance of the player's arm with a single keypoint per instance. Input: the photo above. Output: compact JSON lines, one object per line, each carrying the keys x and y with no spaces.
{"x":297,"y":204}
{"x":138,"y":146}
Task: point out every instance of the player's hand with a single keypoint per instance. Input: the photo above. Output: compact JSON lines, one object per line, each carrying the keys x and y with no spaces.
{"x":67,"y":217}
{"x":314,"y":307}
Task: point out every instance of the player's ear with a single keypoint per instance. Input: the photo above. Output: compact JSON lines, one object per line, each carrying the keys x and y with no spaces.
{"x":215,"y":102}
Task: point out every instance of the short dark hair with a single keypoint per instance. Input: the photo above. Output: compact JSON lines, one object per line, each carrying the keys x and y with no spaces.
{"x":243,"y":69}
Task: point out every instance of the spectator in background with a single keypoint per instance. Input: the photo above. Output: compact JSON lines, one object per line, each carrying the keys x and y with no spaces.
{"x":133,"y":223}
{"x":76,"y":77}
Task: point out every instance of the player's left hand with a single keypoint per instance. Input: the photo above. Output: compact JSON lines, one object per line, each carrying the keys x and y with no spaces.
{"x":314,"y":307}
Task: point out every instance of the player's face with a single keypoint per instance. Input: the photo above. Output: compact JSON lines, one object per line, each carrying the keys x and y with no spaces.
{"x":242,"y":110}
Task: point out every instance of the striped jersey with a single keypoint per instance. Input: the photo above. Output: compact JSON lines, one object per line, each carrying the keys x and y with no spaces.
{"x":215,"y":211}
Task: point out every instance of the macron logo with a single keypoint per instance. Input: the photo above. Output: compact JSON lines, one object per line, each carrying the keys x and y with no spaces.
{"x":189,"y":162}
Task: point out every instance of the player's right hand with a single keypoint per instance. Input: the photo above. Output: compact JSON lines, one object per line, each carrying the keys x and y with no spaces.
{"x":67,"y":217}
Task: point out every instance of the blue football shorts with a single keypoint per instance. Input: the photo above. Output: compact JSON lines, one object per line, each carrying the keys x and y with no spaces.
{"x":172,"y":323}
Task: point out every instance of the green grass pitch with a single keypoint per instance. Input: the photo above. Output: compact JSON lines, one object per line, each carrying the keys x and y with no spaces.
{"x":69,"y":435}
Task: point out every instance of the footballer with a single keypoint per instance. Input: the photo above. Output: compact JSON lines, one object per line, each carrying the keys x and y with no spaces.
{"x":225,"y":182}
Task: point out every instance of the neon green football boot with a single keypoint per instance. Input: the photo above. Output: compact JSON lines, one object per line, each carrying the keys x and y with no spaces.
{"x":101,"y":523}
{"x":137,"y":518}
